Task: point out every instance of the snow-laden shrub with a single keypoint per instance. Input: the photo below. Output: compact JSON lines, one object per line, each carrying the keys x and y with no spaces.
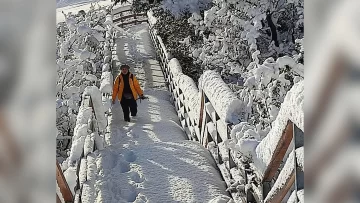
{"x":172,"y":31}
{"x":179,"y":8}
{"x":139,"y":6}
{"x":81,"y":44}
{"x":255,"y":47}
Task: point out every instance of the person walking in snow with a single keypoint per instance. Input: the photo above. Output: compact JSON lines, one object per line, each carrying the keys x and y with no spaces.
{"x":126,"y":87}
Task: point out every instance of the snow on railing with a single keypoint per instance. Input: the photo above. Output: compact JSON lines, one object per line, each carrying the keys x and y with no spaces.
{"x":90,"y":129}
{"x":125,"y":16}
{"x":190,"y":105}
{"x":187,"y":104}
{"x":221,"y":97}
{"x":210,"y":117}
{"x":63,"y":192}
{"x":285,"y":137}
{"x":89,"y":137}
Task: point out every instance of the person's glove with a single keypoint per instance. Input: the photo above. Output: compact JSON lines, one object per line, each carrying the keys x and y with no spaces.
{"x":113,"y":102}
{"x":142,"y":97}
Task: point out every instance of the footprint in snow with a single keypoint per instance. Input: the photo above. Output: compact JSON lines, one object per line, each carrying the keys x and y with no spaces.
{"x":124,"y":166}
{"x":129,"y":194}
{"x":131,"y":134}
{"x":130,"y":156}
{"x":135,"y":176}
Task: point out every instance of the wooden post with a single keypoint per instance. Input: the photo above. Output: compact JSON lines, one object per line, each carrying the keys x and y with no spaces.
{"x":63,"y":185}
{"x":201,"y":117}
{"x":299,"y":174}
{"x":57,"y":199}
{"x":283,"y":191}
{"x":136,"y":22}
{"x":279,"y":153}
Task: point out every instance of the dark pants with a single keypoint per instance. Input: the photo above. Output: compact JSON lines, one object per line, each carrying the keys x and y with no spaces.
{"x":127,"y":104}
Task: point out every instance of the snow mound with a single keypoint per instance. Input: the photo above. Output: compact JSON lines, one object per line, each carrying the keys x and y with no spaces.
{"x":225,"y":102}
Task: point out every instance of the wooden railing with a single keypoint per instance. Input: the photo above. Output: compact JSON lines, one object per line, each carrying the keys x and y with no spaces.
{"x":232,"y":169}
{"x":122,"y":19}
{"x":64,"y":187}
{"x":295,"y":174}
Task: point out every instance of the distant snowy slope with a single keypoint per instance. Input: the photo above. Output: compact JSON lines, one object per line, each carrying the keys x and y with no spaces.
{"x":64,"y":3}
{"x":75,"y":6}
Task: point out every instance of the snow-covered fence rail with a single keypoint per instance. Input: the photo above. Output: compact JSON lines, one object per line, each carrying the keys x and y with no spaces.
{"x":196,"y":112}
{"x":292,"y":173}
{"x":220,"y":110}
{"x":91,"y":121}
{"x":92,"y":141}
{"x":123,"y":17}
{"x":89,"y":135}
{"x":63,"y":192}
{"x":213,"y":115}
{"x":285,"y":137}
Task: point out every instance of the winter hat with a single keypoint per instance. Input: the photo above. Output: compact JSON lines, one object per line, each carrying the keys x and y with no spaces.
{"x":124,"y":66}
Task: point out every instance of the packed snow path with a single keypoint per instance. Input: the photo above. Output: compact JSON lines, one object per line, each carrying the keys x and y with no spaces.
{"x":149,"y":158}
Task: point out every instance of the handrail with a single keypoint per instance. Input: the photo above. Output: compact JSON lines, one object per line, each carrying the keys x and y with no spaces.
{"x":292,"y":172}
{"x":93,"y":127}
{"x":123,"y":17}
{"x":194,"y":130}
{"x":230,"y":168}
{"x":64,"y":187}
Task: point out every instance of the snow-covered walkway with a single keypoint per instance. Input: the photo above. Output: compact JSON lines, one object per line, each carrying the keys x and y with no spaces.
{"x":149,"y":158}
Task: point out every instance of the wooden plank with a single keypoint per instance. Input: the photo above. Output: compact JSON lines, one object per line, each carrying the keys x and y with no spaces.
{"x":279,"y":153}
{"x":122,"y":18}
{"x":331,"y":81}
{"x":121,"y":9}
{"x":202,"y":104}
{"x":57,"y":199}
{"x":279,"y":196}
{"x":63,"y":185}
{"x":132,"y":22}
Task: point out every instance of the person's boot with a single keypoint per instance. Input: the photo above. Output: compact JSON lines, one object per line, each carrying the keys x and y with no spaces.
{"x":127,"y":119}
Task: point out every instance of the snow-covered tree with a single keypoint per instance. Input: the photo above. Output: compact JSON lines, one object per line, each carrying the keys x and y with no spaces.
{"x":256,"y":42}
{"x":180,"y":8}
{"x":83,"y":48}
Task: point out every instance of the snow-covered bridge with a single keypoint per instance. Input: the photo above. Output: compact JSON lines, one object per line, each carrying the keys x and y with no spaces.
{"x":181,"y":147}
{"x":150,"y":158}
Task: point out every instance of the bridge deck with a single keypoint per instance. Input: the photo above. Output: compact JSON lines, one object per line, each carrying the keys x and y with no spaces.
{"x":149,"y":158}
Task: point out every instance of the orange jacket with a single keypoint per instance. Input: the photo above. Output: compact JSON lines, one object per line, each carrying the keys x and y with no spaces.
{"x":118,"y":87}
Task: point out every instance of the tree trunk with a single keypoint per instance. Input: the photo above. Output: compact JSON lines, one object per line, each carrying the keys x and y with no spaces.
{"x":272,"y":28}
